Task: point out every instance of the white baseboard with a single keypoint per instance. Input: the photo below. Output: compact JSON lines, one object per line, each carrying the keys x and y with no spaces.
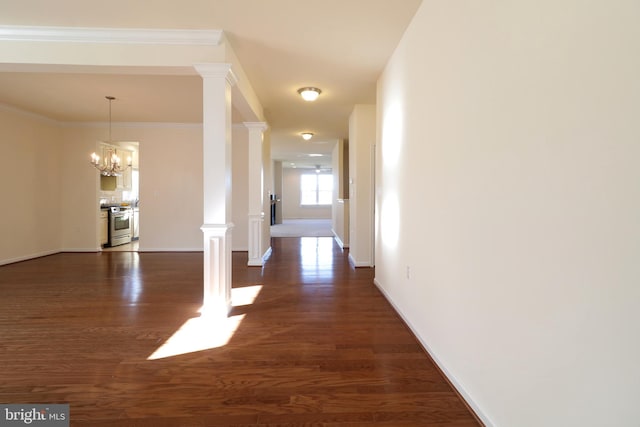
{"x":262,"y":260}
{"x":28,"y":257}
{"x":357,"y":264}
{"x":338,"y":240}
{"x":454,"y":382}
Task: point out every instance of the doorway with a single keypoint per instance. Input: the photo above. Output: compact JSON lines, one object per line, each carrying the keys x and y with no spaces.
{"x":302,"y":228}
{"x":126,"y":195}
{"x":306,"y":202}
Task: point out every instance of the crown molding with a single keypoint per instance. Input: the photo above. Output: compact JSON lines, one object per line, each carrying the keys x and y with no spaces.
{"x":133,"y":125}
{"x":110,"y":35}
{"x":123,"y":125}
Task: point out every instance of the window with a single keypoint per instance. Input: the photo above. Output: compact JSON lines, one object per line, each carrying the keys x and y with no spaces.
{"x":316,"y":189}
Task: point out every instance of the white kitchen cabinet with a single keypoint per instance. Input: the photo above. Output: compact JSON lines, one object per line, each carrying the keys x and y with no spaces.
{"x":104,"y":226}
{"x":124,"y":181}
{"x":136,"y":223}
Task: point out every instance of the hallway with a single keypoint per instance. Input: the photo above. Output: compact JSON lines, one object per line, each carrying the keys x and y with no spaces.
{"x":311,"y":341}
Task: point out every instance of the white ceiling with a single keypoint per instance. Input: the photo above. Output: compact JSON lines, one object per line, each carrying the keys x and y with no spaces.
{"x":340,"y":46}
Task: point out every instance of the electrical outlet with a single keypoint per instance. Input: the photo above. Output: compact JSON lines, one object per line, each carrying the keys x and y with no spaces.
{"x":408,"y":272}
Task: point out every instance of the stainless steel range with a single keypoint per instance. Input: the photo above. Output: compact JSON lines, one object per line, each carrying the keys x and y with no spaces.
{"x":120,"y":220}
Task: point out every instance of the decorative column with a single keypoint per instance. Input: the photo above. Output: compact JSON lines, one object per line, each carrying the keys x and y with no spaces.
{"x":256,"y":192}
{"x":217,"y":80}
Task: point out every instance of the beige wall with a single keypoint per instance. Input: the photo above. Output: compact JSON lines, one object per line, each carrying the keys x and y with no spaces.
{"x":509,"y":195}
{"x":240,"y":187}
{"x":277,"y":189}
{"x":30,"y":186}
{"x":170,"y":185}
{"x":79,"y":189}
{"x":171,"y":189}
{"x":362,"y":139}
{"x":55,"y":192}
{"x":291,"y":208}
{"x":340,"y":207}
{"x":268,"y":189}
{"x":61,"y":206}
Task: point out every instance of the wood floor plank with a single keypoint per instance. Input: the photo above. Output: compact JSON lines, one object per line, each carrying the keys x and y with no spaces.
{"x":319,"y":345}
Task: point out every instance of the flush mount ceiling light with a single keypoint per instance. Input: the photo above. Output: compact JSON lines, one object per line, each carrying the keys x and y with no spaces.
{"x":309,"y":93}
{"x":306,"y":135}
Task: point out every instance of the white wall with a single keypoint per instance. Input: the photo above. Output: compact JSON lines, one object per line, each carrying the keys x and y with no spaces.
{"x":508,"y":183}
{"x":362,"y":138}
{"x":277,"y":189}
{"x":340,"y":207}
{"x":268,"y":189}
{"x":291,"y":208}
{"x":30,"y":186}
{"x":240,"y":188}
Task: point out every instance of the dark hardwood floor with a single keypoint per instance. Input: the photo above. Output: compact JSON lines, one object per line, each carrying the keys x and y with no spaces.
{"x":319,"y":345}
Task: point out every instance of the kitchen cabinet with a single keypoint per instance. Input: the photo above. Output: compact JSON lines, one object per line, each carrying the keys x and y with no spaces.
{"x":104,"y":226}
{"x":124,"y":181}
{"x":136,"y":223}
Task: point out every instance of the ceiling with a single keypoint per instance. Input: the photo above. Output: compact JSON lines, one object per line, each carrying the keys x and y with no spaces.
{"x":340,"y":46}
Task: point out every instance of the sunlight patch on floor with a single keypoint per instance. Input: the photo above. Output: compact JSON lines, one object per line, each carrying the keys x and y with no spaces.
{"x":207,"y":332}
{"x":245,"y":295}
{"x":198,"y":334}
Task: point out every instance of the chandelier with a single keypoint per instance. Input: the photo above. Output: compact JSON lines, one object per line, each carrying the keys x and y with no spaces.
{"x":111,"y":165}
